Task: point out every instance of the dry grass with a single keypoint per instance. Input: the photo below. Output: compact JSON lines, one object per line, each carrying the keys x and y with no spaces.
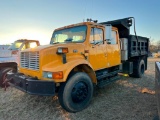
{"x":122,"y":100}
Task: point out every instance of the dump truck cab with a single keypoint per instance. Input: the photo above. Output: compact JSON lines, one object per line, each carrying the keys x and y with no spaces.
{"x":78,"y":57}
{"x":95,"y":47}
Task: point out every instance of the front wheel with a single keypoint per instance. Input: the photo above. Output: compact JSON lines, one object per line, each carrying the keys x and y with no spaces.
{"x":75,"y":95}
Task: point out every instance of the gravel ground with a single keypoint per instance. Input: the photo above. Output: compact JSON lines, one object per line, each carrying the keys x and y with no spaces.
{"x":122,"y":100}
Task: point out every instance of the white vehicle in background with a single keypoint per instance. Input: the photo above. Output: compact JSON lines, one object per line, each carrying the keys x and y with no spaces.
{"x":4,"y":47}
{"x":4,"y":52}
{"x":9,"y":58}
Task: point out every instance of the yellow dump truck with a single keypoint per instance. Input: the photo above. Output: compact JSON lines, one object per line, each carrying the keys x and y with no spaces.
{"x":79,"y":57}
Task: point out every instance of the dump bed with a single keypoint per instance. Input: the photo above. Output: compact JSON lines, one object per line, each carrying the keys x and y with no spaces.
{"x":137,"y":45}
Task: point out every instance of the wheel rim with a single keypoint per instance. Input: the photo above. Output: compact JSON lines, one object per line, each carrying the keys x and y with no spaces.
{"x":4,"y":78}
{"x":79,"y":92}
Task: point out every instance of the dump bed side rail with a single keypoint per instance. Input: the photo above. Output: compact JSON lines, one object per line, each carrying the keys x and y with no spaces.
{"x":138,"y":47}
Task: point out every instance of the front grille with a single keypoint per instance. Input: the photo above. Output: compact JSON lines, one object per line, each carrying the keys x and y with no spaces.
{"x":30,"y":60}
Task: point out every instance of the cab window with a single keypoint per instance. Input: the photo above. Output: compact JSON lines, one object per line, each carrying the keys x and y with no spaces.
{"x":114,"y":37}
{"x":29,"y":45}
{"x":32,"y":44}
{"x":96,"y":36}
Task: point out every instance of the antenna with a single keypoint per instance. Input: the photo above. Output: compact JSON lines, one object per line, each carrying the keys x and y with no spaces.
{"x":84,"y":12}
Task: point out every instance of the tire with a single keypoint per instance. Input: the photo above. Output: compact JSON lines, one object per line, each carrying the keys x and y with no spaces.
{"x":76,"y":94}
{"x":140,"y":69}
{"x":3,"y":74}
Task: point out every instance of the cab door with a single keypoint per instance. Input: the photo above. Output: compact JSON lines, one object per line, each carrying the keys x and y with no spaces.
{"x":113,"y":50}
{"x":97,"y":49}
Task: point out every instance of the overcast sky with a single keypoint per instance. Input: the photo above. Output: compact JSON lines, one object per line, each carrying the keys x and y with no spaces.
{"x":36,"y":19}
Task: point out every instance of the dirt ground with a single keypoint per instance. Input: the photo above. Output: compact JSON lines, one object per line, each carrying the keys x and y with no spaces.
{"x":122,"y":100}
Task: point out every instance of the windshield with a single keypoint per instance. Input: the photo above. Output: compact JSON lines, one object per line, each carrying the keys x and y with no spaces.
{"x":75,"y":34}
{"x":15,"y":45}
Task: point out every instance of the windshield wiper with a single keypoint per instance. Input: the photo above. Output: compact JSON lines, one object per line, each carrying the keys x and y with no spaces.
{"x":69,"y":40}
{"x":55,"y":42}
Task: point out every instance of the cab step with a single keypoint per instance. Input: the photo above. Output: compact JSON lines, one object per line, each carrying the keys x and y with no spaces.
{"x":105,"y":74}
{"x":107,"y":81}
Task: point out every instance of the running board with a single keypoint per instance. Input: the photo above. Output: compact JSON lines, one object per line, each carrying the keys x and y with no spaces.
{"x":102,"y":76}
{"x":108,"y":81}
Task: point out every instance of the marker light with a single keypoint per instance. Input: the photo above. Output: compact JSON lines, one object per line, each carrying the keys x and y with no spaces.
{"x":15,"y":52}
{"x":62,"y":50}
{"x":57,"y":75}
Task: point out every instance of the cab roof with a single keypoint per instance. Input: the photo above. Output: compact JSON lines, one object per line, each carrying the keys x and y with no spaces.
{"x":78,"y":24}
{"x":26,"y":40}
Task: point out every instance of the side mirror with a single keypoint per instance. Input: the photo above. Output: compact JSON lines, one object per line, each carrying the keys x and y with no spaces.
{"x":92,"y":42}
{"x":108,"y":32}
{"x":109,"y":42}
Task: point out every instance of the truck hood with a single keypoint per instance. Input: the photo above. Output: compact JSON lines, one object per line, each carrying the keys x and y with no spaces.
{"x":39,"y":48}
{"x":47,"y":54}
{"x":71,"y":46}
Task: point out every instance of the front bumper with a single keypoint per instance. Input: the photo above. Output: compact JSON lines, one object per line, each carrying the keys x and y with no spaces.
{"x":30,"y":85}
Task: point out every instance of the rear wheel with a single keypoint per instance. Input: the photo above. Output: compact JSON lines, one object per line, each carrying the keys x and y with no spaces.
{"x":75,"y":95}
{"x":3,"y":75}
{"x":138,"y":72}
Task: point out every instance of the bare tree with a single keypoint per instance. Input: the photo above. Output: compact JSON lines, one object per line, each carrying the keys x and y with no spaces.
{"x":152,"y":46}
{"x":158,"y":45}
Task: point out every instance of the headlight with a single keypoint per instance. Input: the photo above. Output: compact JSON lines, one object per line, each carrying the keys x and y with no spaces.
{"x":47,"y":75}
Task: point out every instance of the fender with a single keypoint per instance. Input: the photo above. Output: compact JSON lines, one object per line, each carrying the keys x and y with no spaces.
{"x":9,"y":64}
{"x":68,"y":67}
